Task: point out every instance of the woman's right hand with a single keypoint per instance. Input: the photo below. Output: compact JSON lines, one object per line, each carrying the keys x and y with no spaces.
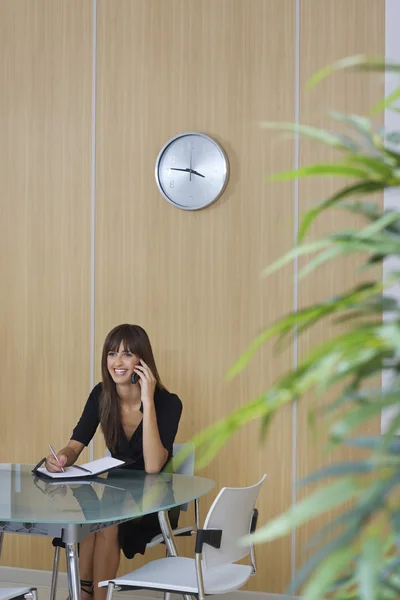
{"x":53,"y":466}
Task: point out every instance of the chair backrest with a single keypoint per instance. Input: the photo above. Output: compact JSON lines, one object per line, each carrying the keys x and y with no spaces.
{"x":185,"y":468}
{"x":231,"y":511}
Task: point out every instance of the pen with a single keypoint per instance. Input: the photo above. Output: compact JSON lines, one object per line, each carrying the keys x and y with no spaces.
{"x":82,"y":469}
{"x":55,"y":456}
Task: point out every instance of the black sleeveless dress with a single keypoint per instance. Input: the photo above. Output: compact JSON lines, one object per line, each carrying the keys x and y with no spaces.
{"x":133,"y":535}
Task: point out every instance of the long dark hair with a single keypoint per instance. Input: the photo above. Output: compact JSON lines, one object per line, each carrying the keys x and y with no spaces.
{"x":134,"y":339}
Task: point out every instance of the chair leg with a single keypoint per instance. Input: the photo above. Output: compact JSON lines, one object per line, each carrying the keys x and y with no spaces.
{"x":253,"y":559}
{"x":168,"y":539}
{"x":54,"y":576}
{"x":1,"y":541}
{"x":197,"y":513}
{"x":167,"y":595}
{"x":110,"y":590}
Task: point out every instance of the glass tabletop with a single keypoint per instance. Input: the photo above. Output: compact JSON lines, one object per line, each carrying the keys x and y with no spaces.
{"x":118,"y":495}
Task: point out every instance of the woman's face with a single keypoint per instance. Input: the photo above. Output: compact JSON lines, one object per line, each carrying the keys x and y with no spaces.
{"x":121,"y":364}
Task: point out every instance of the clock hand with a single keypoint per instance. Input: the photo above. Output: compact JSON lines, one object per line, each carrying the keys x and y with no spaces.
{"x":197,"y":173}
{"x":187,"y":171}
{"x":190,"y":166}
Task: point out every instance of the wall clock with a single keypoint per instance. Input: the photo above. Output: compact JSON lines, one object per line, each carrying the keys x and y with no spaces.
{"x":192,"y":171}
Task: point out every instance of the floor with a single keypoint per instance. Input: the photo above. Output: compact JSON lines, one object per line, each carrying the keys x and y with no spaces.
{"x":13,"y":577}
{"x":62,"y":593}
{"x":44,"y":594}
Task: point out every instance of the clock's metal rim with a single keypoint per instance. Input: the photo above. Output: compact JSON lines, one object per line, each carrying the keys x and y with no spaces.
{"x":227,"y":169}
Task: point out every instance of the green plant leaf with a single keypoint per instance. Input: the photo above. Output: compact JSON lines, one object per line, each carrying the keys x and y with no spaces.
{"x":355,"y":189}
{"x":363,"y":127}
{"x":358,"y":62}
{"x":319,"y":135}
{"x":347,"y":521}
{"x":368,"y":209}
{"x":393,"y":137}
{"x":326,"y":573}
{"x":319,"y":502}
{"x":304,"y":572}
{"x":320,"y":259}
{"x":381,"y":223}
{"x":320,"y":170}
{"x":209,"y":441}
{"x":305,"y":318}
{"x":368,"y":566}
{"x":355,"y":467}
{"x":374,"y":164}
{"x":295,"y":253}
{"x":386,"y":102}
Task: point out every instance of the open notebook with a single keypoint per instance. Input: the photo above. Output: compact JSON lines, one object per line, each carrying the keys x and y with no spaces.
{"x":90,"y":469}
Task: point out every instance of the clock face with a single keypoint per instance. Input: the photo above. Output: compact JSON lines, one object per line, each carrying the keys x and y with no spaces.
{"x":192,"y":171}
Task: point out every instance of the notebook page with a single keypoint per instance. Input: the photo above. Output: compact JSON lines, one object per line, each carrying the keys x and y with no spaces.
{"x":95,"y":466}
{"x":102,"y":464}
{"x":68,"y":472}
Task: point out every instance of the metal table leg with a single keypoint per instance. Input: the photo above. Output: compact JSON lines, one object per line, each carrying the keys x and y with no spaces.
{"x":71,"y":538}
{"x":74,"y":587}
{"x":168,"y":536}
{"x":54,"y":576}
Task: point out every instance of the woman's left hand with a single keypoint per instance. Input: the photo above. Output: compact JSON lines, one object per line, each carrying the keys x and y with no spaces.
{"x":147,"y":381}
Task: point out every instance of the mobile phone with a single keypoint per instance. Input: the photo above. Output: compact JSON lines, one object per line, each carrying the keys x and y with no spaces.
{"x":134,"y":377}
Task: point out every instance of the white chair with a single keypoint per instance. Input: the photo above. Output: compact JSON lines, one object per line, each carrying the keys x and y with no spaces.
{"x":218,"y":549}
{"x":14,"y":593}
{"x":186,"y":468}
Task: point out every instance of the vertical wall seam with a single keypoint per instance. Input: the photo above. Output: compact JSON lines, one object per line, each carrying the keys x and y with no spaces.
{"x":295,"y":266}
{"x":93,"y":204}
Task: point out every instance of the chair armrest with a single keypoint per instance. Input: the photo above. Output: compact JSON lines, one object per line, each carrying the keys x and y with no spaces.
{"x":212,"y":537}
{"x":178,"y":532}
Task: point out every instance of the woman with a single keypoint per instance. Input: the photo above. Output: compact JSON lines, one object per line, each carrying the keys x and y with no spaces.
{"x":139,"y":419}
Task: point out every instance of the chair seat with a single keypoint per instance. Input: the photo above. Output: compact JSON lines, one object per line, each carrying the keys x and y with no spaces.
{"x":10,"y":593}
{"x":179,"y":574}
{"x":179,"y":531}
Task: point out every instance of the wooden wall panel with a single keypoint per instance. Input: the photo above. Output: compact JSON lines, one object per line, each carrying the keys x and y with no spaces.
{"x":45,"y":124}
{"x":331,"y":30}
{"x":192,"y":278}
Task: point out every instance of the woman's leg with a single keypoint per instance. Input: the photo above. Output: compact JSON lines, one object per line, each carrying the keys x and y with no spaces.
{"x":106,"y":558}
{"x":86,"y":552}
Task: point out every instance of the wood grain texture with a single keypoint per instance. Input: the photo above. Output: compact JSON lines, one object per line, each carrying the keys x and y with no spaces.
{"x":192,"y":278}
{"x":331,"y":30}
{"x":45,"y":123}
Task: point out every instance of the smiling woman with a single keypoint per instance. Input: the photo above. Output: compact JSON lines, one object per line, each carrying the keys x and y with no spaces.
{"x":139,"y":419}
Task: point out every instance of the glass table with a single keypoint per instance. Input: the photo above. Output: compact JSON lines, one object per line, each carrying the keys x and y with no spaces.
{"x":71,"y":510}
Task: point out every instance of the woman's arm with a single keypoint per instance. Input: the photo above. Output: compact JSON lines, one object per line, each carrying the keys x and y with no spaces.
{"x":155,"y":452}
{"x":81,"y":435}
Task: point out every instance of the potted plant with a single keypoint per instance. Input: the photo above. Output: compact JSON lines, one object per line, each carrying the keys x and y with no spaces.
{"x":358,"y":553}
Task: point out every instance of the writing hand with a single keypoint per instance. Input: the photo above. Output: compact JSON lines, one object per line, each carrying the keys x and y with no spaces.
{"x":55,"y":466}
